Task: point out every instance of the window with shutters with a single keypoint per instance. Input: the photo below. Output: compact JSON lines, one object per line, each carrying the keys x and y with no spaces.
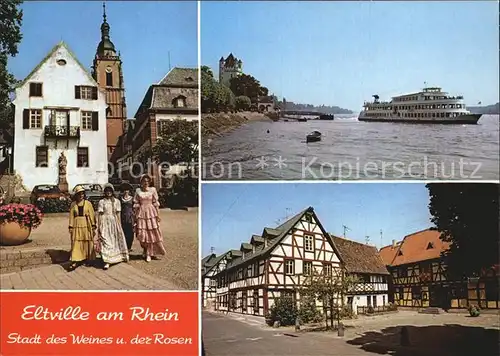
{"x":86,"y":93}
{"x":109,"y":79}
{"x":42,"y":156}
{"x":82,"y":159}
{"x":36,"y":89}
{"x":35,"y":119}
{"x":86,"y":123}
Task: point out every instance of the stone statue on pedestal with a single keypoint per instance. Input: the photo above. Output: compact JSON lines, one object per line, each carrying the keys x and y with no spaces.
{"x":63,"y":183}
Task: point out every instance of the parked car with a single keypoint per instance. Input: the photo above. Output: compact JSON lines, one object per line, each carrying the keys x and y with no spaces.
{"x":94,"y":193}
{"x":46,"y":192}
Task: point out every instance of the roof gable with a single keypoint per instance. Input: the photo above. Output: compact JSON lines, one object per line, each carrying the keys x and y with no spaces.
{"x":53,"y":52}
{"x":207,"y":267}
{"x":414,"y":247}
{"x":207,"y":259}
{"x":387,"y":253}
{"x":282,"y":230}
{"x":358,"y":257}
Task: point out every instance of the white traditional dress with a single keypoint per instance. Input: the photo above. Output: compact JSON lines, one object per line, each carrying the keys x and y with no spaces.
{"x":113,"y":246}
{"x":148,"y":231}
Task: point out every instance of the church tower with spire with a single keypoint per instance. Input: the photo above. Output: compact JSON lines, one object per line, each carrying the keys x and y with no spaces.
{"x":107,"y":71}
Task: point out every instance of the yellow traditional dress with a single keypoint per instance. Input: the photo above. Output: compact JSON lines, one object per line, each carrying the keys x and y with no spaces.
{"x":82,"y":221}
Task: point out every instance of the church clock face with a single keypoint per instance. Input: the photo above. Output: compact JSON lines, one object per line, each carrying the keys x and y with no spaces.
{"x":109,"y":69}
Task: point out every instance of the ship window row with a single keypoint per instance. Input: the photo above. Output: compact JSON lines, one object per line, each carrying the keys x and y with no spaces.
{"x":419,"y":107}
{"x":429,"y":97}
{"x":416,"y":115}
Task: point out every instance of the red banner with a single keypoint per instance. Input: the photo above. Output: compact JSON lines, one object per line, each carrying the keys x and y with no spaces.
{"x":99,"y":323}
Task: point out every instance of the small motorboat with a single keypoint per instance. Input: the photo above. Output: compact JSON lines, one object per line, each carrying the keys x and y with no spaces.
{"x":314,"y":136}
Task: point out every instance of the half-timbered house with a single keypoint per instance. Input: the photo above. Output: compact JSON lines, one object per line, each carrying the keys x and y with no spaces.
{"x":419,"y":278}
{"x":211,"y":265}
{"x":365,"y":263}
{"x":274,"y":264}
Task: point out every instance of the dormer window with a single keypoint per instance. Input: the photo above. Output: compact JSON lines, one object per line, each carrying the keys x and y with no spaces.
{"x":400,"y":253}
{"x":179,"y":102}
{"x":430,"y":245}
{"x":189,"y":79}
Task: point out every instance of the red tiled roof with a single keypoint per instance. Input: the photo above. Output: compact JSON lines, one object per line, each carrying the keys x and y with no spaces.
{"x":414,"y":248}
{"x":388,"y":253}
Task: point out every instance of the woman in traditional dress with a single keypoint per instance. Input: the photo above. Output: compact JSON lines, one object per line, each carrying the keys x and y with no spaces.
{"x":127,"y":215}
{"x":112,"y":244}
{"x":147,"y":219}
{"x":82,"y":226}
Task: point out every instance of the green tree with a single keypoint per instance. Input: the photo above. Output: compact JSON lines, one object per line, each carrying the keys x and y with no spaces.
{"x":330,"y":290}
{"x":283,"y":310}
{"x":215,"y":97}
{"x":10,"y":35}
{"x":467,"y":215}
{"x":243,"y":103}
{"x":178,"y":142}
{"x":207,"y":70}
{"x":247,"y":85}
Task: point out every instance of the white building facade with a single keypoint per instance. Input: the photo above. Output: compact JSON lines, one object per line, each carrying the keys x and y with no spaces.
{"x":59,"y":108}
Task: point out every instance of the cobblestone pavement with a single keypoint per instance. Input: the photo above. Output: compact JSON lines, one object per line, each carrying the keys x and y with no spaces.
{"x":54,"y":277}
{"x":180,"y":231}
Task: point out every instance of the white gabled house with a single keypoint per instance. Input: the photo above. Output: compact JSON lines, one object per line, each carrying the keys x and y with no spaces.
{"x":210,"y":267}
{"x":275,"y":264}
{"x":59,"y":108}
{"x":365,"y":263}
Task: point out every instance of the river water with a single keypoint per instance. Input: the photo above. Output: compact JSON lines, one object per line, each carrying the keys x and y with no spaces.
{"x":353,"y":150}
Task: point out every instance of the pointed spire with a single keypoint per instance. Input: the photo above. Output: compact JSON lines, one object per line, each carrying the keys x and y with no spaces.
{"x":105,"y":46}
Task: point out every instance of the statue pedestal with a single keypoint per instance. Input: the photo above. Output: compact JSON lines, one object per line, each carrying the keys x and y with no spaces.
{"x":63,"y":184}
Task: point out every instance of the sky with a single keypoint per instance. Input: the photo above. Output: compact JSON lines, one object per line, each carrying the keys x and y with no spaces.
{"x":232,"y":213}
{"x":342,"y":53}
{"x":143,"y":32}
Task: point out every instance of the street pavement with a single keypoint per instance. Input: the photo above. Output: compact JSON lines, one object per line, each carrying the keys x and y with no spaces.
{"x":223,"y":335}
{"x":179,"y":266}
{"x":447,"y":334}
{"x":54,"y":277}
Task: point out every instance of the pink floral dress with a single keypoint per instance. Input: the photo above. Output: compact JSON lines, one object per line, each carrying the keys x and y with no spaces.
{"x":148,"y":231}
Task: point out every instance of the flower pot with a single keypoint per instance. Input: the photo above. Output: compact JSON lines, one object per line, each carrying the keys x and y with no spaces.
{"x":12,"y":233}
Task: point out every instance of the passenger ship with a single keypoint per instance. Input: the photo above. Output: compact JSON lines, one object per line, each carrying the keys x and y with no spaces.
{"x":430,"y":106}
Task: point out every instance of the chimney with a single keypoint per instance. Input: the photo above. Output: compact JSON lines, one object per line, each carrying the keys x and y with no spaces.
{"x":243,"y":255}
{"x":253,"y":248}
{"x":393,"y":243}
{"x":265,"y":242}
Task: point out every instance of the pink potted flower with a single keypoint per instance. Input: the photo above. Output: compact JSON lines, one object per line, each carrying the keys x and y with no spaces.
{"x":17,"y":221}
